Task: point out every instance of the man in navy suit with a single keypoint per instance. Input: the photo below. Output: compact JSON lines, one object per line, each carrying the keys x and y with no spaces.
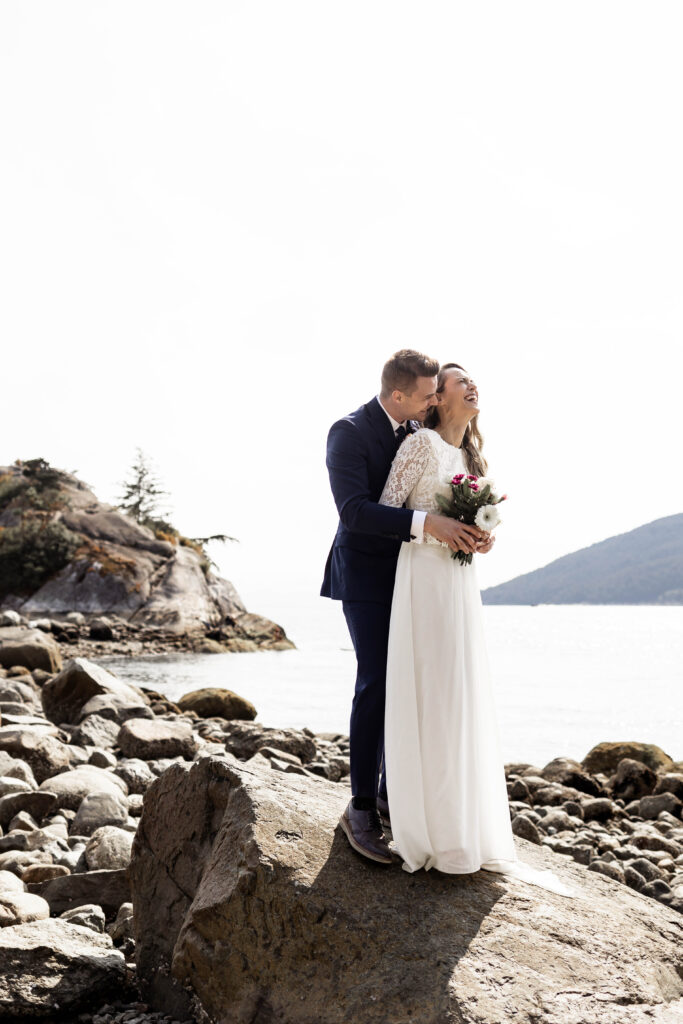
{"x":361,"y":567}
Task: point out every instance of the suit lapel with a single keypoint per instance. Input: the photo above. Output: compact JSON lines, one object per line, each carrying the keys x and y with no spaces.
{"x":382,"y":427}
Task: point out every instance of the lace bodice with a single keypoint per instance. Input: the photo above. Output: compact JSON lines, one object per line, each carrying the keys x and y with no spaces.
{"x":424,"y":464}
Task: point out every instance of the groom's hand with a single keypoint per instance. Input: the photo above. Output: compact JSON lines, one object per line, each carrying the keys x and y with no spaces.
{"x":459,"y":536}
{"x":486,"y":544}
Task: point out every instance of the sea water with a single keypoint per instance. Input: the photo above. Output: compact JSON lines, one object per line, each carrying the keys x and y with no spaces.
{"x":565,"y":677}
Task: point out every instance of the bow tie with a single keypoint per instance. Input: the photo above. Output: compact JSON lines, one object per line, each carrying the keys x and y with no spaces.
{"x":400,"y":434}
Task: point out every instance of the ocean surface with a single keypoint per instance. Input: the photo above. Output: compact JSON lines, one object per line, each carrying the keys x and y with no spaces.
{"x":565,"y":677}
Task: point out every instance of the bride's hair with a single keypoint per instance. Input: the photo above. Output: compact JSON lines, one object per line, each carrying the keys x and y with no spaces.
{"x":472,"y":442}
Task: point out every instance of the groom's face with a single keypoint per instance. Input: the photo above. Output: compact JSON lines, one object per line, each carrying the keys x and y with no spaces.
{"x":416,"y":405}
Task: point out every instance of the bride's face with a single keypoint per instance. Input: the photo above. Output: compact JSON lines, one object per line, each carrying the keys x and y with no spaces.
{"x":459,"y":397}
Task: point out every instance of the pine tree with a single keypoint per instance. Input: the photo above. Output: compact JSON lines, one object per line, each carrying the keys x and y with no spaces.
{"x":142,"y":494}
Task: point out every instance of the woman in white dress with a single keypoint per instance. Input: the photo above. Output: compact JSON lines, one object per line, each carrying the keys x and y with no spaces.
{"x":445,"y":775}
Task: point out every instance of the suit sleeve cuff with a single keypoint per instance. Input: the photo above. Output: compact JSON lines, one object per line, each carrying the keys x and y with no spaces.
{"x":417,"y":526}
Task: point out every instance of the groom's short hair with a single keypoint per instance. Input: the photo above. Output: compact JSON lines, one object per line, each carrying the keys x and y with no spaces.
{"x":400,"y":373}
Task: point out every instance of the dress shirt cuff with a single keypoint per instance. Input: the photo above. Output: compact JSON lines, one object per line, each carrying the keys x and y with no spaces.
{"x":417,"y":526}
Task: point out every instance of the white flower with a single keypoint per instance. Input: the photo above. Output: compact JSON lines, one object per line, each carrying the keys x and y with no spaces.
{"x":486,"y":481}
{"x":487,"y":517}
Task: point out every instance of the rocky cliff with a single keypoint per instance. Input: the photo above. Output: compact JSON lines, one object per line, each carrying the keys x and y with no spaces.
{"x":63,"y":551}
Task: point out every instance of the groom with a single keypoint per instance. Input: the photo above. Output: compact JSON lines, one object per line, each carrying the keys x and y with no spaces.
{"x":361,"y":567}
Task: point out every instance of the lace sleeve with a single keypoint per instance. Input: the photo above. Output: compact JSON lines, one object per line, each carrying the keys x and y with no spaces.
{"x":406,"y":469}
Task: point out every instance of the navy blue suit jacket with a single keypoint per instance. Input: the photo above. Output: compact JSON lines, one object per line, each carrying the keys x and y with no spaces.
{"x":361,"y":565}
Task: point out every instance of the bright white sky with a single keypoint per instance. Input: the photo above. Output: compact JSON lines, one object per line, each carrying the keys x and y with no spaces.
{"x":219,"y":219}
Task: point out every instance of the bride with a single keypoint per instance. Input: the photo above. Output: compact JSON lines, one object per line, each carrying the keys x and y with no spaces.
{"x":444,"y":770}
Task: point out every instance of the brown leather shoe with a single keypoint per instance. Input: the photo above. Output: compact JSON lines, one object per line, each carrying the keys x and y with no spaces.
{"x":383,"y":808}
{"x":364,"y":831}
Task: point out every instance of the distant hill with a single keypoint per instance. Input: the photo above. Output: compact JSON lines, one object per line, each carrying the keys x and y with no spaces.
{"x":644,"y":566}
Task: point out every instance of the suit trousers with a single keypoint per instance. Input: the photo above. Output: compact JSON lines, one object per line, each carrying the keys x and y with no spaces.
{"x":368,"y":624}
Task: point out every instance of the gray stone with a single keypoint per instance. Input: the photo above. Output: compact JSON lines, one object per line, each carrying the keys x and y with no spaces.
{"x":31,"y":648}
{"x":9,"y":882}
{"x":90,"y":915}
{"x":65,"y":695}
{"x":109,"y":889}
{"x":13,"y":768}
{"x":38,"y":804}
{"x":651,"y":806}
{"x":115,"y":707}
{"x":97,"y":810}
{"x":21,"y":907}
{"x":103,"y":758}
{"x":55,"y":967}
{"x":151,"y":739}
{"x":95,"y":731}
{"x":109,"y":849}
{"x":122,"y":928}
{"x":136,"y":773}
{"x":9,"y":785}
{"x":44,"y":753}
{"x":72,"y":787}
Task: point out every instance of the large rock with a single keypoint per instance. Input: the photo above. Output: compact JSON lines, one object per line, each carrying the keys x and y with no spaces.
{"x":72,"y":787}
{"x":212,"y":702}
{"x":247,"y":893}
{"x":95,"y":731}
{"x":150,"y":739}
{"x":64,"y":696}
{"x":108,"y":889}
{"x":108,"y":849}
{"x":605,"y":757}
{"x":45,"y":754}
{"x":244,"y":739}
{"x":115,"y":707}
{"x":54,"y":967}
{"x":29,"y":647}
{"x":97,"y":810}
{"x":38,"y":804}
{"x":21,"y":907}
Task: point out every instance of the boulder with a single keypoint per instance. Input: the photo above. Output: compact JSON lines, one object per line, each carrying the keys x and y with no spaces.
{"x":95,"y":731}
{"x":136,"y":773}
{"x":10,"y":882}
{"x":88,"y":916}
{"x":43,"y":872}
{"x":108,"y":889}
{"x":149,"y":739}
{"x":54,"y":967}
{"x":244,"y":739}
{"x":38,"y":804}
{"x":65,"y":695}
{"x":12,"y":767}
{"x":108,"y":849}
{"x":633,"y":779}
{"x":248,"y":896}
{"x":74,"y":786}
{"x":97,"y":810}
{"x":568,"y":772}
{"x":605,"y":757}
{"x":116,"y":707}
{"x":30,"y":648}
{"x":212,"y":702}
{"x":21,"y":907}
{"x":45,"y":754}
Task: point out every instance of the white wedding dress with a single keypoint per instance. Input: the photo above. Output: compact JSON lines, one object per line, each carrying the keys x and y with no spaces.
{"x":445,"y":774}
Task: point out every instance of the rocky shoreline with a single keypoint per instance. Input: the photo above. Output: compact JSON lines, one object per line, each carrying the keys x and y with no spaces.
{"x":80,"y":749}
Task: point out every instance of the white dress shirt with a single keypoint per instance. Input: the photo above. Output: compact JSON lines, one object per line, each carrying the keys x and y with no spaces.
{"x":418,"y":521}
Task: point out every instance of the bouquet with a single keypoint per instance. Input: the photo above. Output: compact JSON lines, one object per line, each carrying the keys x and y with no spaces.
{"x":473,"y":501}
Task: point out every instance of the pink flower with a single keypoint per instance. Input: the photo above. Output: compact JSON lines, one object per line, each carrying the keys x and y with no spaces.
{"x":470,"y":477}
{"x":474,"y":487}
{"x":457,"y":478}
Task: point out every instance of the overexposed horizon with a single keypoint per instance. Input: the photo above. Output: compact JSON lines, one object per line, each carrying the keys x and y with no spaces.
{"x":219,"y":221}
